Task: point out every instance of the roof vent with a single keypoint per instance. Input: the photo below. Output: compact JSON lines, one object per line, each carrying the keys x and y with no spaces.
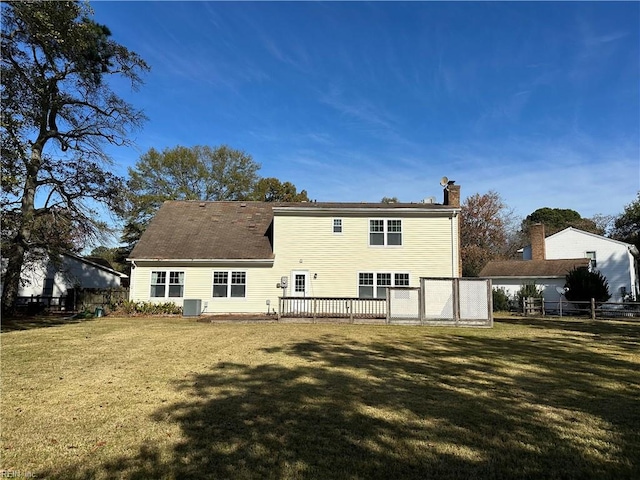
{"x":430,"y":200}
{"x":202,"y":204}
{"x":243,"y":204}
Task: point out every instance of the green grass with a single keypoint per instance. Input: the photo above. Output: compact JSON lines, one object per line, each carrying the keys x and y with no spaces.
{"x":172,"y":398}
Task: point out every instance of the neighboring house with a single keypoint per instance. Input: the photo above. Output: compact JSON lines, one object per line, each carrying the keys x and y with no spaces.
{"x":511,"y":275}
{"x":236,"y":256}
{"x":617,"y":261}
{"x":50,"y":280}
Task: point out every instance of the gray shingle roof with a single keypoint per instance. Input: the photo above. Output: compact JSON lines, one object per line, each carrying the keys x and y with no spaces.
{"x":207,"y":230}
{"x":532,"y":268}
{"x":228,"y":230}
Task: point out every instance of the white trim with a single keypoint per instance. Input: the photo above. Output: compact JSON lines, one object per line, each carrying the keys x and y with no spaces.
{"x":375,"y":285}
{"x":337,"y":211}
{"x":167,"y":283}
{"x":230,"y":273}
{"x":385,"y":232}
{"x":218,"y":261}
{"x":307,"y":283}
{"x":333,"y":226}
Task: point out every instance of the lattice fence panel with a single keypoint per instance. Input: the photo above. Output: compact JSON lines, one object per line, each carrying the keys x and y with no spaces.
{"x":438,"y":299}
{"x":474,"y":299}
{"x":404,"y":304}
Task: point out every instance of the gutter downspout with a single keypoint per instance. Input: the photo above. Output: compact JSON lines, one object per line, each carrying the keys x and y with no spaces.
{"x":134,"y":267}
{"x":453,"y":251}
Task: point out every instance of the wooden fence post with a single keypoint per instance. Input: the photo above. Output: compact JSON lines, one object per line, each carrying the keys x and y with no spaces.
{"x":593,"y":309}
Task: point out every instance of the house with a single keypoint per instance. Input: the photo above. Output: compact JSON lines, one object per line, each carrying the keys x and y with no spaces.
{"x":52,"y":279}
{"x":543,"y":263}
{"x":240,"y":257}
{"x":617,"y":261}
{"x":548,"y":275}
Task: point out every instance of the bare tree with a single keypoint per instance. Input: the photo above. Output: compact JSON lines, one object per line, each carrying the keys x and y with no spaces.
{"x":58,"y":112}
{"x":486,"y":231}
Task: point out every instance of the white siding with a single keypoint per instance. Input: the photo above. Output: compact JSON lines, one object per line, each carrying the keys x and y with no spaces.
{"x":198,"y":284}
{"x":511,"y":285}
{"x":335,"y":260}
{"x":71,"y":273}
{"x":613,"y":258}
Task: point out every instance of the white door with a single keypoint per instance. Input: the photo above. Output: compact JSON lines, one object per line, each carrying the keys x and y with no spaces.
{"x":299,"y":288}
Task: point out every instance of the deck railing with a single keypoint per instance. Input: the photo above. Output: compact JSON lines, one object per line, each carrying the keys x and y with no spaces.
{"x":332,"y":307}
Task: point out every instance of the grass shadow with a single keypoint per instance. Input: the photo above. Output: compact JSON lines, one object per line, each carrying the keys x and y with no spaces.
{"x":419,"y":407}
{"x":13,"y":324}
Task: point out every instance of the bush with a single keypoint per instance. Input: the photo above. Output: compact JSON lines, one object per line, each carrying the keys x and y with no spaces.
{"x":583,"y":285}
{"x":528,"y":290}
{"x":129,"y":307}
{"x":501,"y":300}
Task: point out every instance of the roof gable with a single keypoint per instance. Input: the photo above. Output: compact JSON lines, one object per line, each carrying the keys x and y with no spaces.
{"x":567,"y":230}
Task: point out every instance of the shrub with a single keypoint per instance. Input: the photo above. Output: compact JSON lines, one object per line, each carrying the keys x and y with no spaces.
{"x":129,"y":307}
{"x":583,"y":285}
{"x":528,"y":290}
{"x":501,"y":301}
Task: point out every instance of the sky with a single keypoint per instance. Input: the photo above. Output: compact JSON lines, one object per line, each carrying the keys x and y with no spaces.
{"x":355,"y":101}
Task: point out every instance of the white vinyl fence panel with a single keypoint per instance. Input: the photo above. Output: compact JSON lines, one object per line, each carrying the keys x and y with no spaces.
{"x":404,"y":305}
{"x":442,"y":301}
{"x":474,"y":299}
{"x":438,"y":303}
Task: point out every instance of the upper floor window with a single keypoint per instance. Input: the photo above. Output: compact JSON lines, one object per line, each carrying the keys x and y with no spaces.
{"x":337,"y":225}
{"x":592,"y":256}
{"x":159,"y":284}
{"x":385,"y":232}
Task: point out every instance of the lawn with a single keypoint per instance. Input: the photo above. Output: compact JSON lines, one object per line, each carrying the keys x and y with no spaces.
{"x":173,"y":398}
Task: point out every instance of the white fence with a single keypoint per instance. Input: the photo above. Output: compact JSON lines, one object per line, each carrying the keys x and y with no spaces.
{"x":442,"y":301}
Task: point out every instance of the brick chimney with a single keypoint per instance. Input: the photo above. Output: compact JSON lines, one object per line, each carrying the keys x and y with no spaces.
{"x":452,"y":194}
{"x":452,"y":199}
{"x":536,"y":235}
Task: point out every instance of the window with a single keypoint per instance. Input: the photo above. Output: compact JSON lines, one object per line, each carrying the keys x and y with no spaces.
{"x":365,"y":285}
{"x":592,"y":257}
{"x":176,"y":284}
{"x":47,"y":288}
{"x":220,"y":284}
{"x":402,"y":279}
{"x":159,"y":284}
{"x":237,"y":288}
{"x":374,"y":285}
{"x":383,"y":280}
{"x":337,"y":225}
{"x":238,"y":284}
{"x":376,"y":232}
{"x":385,"y":232}
{"x":394,"y":232}
{"x":299,"y":283}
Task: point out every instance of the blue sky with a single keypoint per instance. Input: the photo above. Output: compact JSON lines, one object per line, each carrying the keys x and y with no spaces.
{"x":354,"y":101}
